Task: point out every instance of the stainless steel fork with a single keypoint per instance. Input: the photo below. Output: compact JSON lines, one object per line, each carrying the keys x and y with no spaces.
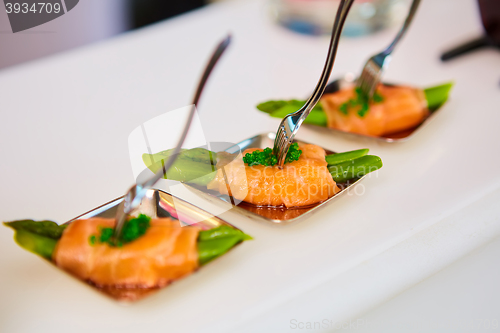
{"x":375,"y":66}
{"x":134,"y":195}
{"x":291,"y":123}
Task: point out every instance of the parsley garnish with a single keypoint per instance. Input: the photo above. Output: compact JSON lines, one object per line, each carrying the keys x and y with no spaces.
{"x":361,"y":101}
{"x":267,"y":157}
{"x":293,"y":153}
{"x":133,"y":229}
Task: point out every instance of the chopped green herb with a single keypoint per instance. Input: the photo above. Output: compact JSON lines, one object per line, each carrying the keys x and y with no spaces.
{"x":364,"y":109}
{"x":361,"y":102}
{"x":107,"y":236}
{"x":344,"y":108}
{"x":293,"y":153}
{"x":132,"y":229}
{"x":377,"y":98}
{"x":135,"y":228}
{"x":267,"y":157}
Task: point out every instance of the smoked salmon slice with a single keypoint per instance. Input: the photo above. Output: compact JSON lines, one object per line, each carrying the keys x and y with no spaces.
{"x":166,"y":252}
{"x":402,"y":108}
{"x":303,"y":182}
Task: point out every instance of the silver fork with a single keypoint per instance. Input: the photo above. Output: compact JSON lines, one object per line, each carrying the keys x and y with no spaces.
{"x":134,"y":195}
{"x":291,"y":123}
{"x":375,"y":66}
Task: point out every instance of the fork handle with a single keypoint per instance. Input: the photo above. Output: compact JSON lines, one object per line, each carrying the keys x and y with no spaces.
{"x":294,"y":120}
{"x":404,"y":28}
{"x":343,"y":10}
{"x":135,"y":194}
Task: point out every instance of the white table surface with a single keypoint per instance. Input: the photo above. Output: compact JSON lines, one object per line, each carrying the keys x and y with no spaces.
{"x":463,"y":297}
{"x":63,"y":139}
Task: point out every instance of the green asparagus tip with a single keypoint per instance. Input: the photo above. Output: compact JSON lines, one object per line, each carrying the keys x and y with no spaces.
{"x":356,"y":168}
{"x":346,"y":156}
{"x":215,"y":242}
{"x":436,"y":96}
{"x":37,"y":237}
{"x":279,"y":109}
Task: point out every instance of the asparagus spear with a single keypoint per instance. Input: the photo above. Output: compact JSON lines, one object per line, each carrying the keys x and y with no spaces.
{"x":435,"y":96}
{"x":193,"y":165}
{"x":221,"y":232}
{"x":41,"y":238}
{"x":346,"y":156}
{"x":279,"y":109}
{"x":37,"y":244}
{"x":271,"y":106}
{"x":37,"y":237}
{"x":355,"y":168}
{"x":215,"y":242}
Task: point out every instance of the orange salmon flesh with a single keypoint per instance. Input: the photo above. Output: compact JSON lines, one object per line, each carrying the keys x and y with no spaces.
{"x":402,"y":108}
{"x":300,"y":183}
{"x":166,"y":252}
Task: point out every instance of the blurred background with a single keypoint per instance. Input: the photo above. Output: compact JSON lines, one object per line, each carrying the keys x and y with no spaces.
{"x":95,"y":20}
{"x":467,"y":289}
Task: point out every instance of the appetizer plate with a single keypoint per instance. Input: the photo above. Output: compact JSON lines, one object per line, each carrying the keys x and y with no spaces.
{"x":155,"y":204}
{"x":348,"y":81}
{"x":273,"y":215}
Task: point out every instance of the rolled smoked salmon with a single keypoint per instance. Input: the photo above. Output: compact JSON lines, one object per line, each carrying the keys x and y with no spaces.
{"x":166,"y":252}
{"x":300,"y":183}
{"x":402,"y":108}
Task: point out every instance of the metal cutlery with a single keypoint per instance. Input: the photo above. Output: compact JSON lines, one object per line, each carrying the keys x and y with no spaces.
{"x":291,"y":123}
{"x":136,"y":193}
{"x":375,"y":66}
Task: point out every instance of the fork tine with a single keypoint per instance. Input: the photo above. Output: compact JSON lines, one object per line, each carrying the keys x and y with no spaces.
{"x":368,"y":83}
{"x":282,"y":143}
{"x":368,"y":79}
{"x":364,"y":83}
{"x":278,"y":142}
{"x":279,"y":135}
{"x":282,"y":151}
